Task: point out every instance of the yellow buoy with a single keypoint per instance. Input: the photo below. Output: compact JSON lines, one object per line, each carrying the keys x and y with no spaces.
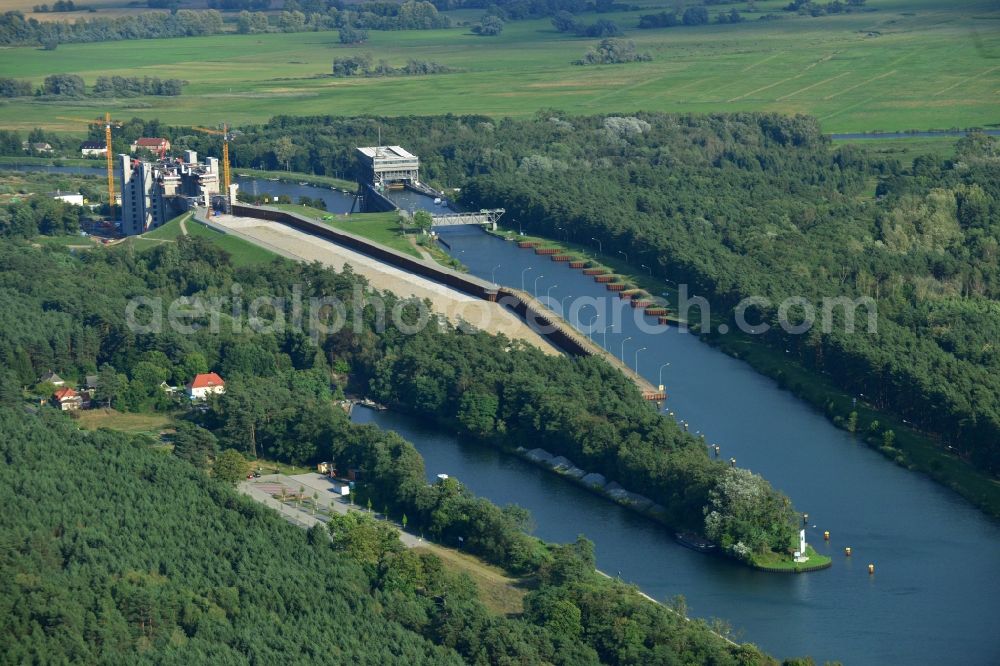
{"x":826,"y":535}
{"x":871,"y":568}
{"x":847,"y":551}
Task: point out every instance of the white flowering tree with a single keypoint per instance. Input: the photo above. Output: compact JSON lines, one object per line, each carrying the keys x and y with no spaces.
{"x":745,"y":515}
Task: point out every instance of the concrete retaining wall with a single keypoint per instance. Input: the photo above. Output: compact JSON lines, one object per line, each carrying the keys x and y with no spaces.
{"x":464,"y":283}
{"x":376,"y":202}
{"x":548,"y":326}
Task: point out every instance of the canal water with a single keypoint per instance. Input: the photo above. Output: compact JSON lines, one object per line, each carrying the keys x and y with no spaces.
{"x":935,"y":593}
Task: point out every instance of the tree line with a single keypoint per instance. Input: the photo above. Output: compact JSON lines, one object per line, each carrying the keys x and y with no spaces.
{"x":516,"y":10}
{"x":613,"y":52}
{"x":351,"y":19}
{"x":363,"y":64}
{"x":12,"y":142}
{"x":43,"y":215}
{"x":73,"y":85}
{"x":58,"y":6}
{"x":16,"y":30}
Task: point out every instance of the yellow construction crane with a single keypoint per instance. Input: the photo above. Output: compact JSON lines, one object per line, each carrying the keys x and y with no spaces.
{"x":108,"y":125}
{"x":226,"y":138}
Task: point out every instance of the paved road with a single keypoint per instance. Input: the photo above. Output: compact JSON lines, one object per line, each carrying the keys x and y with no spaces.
{"x":262,"y":488}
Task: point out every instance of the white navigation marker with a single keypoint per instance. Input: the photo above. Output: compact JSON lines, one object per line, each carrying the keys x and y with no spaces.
{"x":800,"y":554}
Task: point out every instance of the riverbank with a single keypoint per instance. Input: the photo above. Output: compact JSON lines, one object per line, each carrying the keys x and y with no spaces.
{"x":911,"y":448}
{"x":774,"y":563}
{"x":643,"y":285}
{"x":56,"y":161}
{"x":608,"y":489}
{"x":298,"y":177}
{"x":771,"y":562}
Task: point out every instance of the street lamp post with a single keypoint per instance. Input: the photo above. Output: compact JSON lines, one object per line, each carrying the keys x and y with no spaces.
{"x":622,"y":354}
{"x":600,"y":246}
{"x":562,"y":303}
{"x":637,"y":358}
{"x":548,"y":292}
{"x":493,"y":274}
{"x":624,"y":255}
{"x":522,"y":275}
{"x":536,"y":284}
{"x":648,"y":269}
{"x":590,"y":326}
{"x":661,"y":374}
{"x":604,"y":336}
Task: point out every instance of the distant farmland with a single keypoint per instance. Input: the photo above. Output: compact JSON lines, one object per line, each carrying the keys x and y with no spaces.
{"x":905,"y":65}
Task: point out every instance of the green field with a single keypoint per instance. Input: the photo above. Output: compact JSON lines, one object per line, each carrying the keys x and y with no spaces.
{"x":905,"y":150}
{"x":901,"y":64}
{"x":243,"y":253}
{"x":382,"y":228}
{"x":92,"y":419}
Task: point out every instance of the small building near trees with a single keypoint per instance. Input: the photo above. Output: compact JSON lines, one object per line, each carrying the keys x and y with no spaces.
{"x":51,"y":378}
{"x":204,"y":385}
{"x":152,"y":144}
{"x":67,"y":399}
{"x":93,"y":148}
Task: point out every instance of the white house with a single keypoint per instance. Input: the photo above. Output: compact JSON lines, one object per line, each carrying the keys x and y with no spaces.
{"x":67,"y":399}
{"x":204,"y":385}
{"x":95,"y":148}
{"x":75,"y":199}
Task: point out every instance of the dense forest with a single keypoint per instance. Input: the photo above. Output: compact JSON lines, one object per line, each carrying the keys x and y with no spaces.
{"x":115,"y":552}
{"x":86,"y":586}
{"x":740,"y":205}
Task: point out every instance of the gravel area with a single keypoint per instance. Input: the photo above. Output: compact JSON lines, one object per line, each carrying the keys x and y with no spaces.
{"x":449,"y":302}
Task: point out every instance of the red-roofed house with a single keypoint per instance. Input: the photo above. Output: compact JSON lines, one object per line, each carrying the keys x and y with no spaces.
{"x":67,"y":399}
{"x":152,"y":144}
{"x":205,"y":384}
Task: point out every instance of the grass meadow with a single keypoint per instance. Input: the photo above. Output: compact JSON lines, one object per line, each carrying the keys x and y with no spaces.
{"x":903,"y":64}
{"x":243,"y":253}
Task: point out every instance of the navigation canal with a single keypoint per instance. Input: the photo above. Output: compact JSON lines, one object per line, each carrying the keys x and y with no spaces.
{"x":933,"y":598}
